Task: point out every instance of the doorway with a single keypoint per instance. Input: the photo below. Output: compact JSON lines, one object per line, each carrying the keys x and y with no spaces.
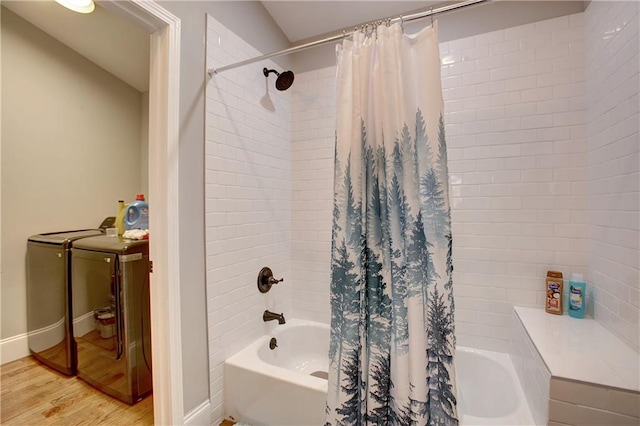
{"x":164,"y":87}
{"x":164,"y":31}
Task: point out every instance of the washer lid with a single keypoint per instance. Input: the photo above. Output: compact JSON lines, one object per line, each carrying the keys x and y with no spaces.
{"x":117,"y":245}
{"x":64,"y":237}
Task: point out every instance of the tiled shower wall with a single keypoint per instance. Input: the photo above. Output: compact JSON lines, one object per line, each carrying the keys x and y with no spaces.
{"x":514,"y":108}
{"x":613,"y":162}
{"x":248,"y":201}
{"x":517,"y":150}
{"x":522,"y":174}
{"x":312,"y":150}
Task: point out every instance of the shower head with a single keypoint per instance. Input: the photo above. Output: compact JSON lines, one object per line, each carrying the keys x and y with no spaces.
{"x":284,"y":80}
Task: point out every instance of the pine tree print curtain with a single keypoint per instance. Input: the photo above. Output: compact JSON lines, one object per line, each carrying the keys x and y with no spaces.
{"x":392,"y":331}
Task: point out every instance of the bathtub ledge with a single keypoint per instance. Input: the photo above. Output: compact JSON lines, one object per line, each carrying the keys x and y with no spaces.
{"x":581,"y":349}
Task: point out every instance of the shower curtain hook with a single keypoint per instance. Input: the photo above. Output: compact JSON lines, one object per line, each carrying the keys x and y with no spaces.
{"x":402,"y":22}
{"x":431,"y":15}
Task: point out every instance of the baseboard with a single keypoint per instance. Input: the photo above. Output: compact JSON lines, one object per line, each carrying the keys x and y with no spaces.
{"x":201,"y":415}
{"x":14,"y":347}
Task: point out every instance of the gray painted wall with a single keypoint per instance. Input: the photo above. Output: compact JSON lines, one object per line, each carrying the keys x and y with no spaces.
{"x":71,"y":137}
{"x":251,"y":21}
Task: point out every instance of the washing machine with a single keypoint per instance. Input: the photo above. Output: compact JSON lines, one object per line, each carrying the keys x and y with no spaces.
{"x":111,"y":315}
{"x":50,"y":336}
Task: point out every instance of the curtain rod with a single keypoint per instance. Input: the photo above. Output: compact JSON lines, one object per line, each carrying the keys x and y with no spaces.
{"x":401,"y":18}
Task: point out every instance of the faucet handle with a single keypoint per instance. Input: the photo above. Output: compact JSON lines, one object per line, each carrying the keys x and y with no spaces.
{"x":273,"y":281}
{"x":266,"y":280}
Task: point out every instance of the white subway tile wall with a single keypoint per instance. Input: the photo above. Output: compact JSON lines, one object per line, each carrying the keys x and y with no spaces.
{"x":613,"y":166}
{"x":248,"y":201}
{"x":532,"y":186}
{"x":312,"y":151}
{"x":532,"y":372}
{"x":517,"y":152}
{"x":579,"y":403}
{"x":514,"y":114}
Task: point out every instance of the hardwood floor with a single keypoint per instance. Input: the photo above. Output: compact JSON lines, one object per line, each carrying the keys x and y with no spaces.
{"x":33,"y":394}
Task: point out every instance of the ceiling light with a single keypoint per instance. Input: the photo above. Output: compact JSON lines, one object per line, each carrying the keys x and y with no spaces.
{"x":80,"y":6}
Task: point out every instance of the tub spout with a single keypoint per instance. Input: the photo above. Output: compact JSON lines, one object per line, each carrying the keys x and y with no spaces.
{"x":268,"y":316}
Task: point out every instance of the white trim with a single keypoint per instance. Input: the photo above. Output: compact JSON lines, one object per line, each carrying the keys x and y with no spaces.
{"x":164,"y":90}
{"x":14,"y":347}
{"x":132,"y":11}
{"x":201,"y":415}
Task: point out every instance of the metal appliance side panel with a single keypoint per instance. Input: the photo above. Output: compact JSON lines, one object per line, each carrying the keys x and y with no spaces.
{"x":134,"y":273}
{"x":48,"y":325}
{"x":102,"y":355}
{"x":113,"y":245}
{"x":65,"y":238}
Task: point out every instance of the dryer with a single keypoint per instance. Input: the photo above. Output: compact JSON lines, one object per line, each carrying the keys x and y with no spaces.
{"x":111,"y":315}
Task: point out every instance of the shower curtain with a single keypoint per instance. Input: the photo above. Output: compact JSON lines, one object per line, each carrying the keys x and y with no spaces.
{"x":392,"y":331}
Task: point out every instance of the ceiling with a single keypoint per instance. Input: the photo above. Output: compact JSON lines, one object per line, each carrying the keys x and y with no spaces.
{"x":301,"y":20}
{"x":122,"y":48}
{"x":108,"y":40}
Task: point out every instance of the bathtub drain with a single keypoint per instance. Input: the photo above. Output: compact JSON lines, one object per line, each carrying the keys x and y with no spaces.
{"x":321,"y":374}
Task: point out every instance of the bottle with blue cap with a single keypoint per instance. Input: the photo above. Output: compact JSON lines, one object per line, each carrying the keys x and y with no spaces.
{"x":137,"y":216}
{"x":577,"y":296}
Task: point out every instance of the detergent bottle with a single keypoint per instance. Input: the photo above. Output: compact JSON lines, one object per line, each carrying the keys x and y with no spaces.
{"x":137,"y":214}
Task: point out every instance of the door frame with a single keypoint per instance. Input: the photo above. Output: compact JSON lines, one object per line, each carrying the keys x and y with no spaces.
{"x":164,"y":121}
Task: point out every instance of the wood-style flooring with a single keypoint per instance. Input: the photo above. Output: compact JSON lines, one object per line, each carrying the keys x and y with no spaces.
{"x":33,"y":394}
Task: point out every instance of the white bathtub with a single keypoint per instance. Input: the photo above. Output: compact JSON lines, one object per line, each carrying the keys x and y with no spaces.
{"x":275,"y":387}
{"x":489,"y":392}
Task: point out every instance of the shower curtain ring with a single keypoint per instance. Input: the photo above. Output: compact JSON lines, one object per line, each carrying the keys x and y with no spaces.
{"x":431,"y":15}
{"x":402,"y":22}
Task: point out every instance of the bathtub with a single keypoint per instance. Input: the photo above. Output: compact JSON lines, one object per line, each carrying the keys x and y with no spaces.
{"x":288,"y":386}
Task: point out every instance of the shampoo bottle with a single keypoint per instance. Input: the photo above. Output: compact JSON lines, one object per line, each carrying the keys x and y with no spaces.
{"x":577,"y":296}
{"x":553,"y":301}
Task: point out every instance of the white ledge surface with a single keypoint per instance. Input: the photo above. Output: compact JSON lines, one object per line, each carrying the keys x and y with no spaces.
{"x":581,"y":349}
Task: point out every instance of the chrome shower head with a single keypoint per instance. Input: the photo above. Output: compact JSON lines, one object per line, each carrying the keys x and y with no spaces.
{"x":284,"y":80}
